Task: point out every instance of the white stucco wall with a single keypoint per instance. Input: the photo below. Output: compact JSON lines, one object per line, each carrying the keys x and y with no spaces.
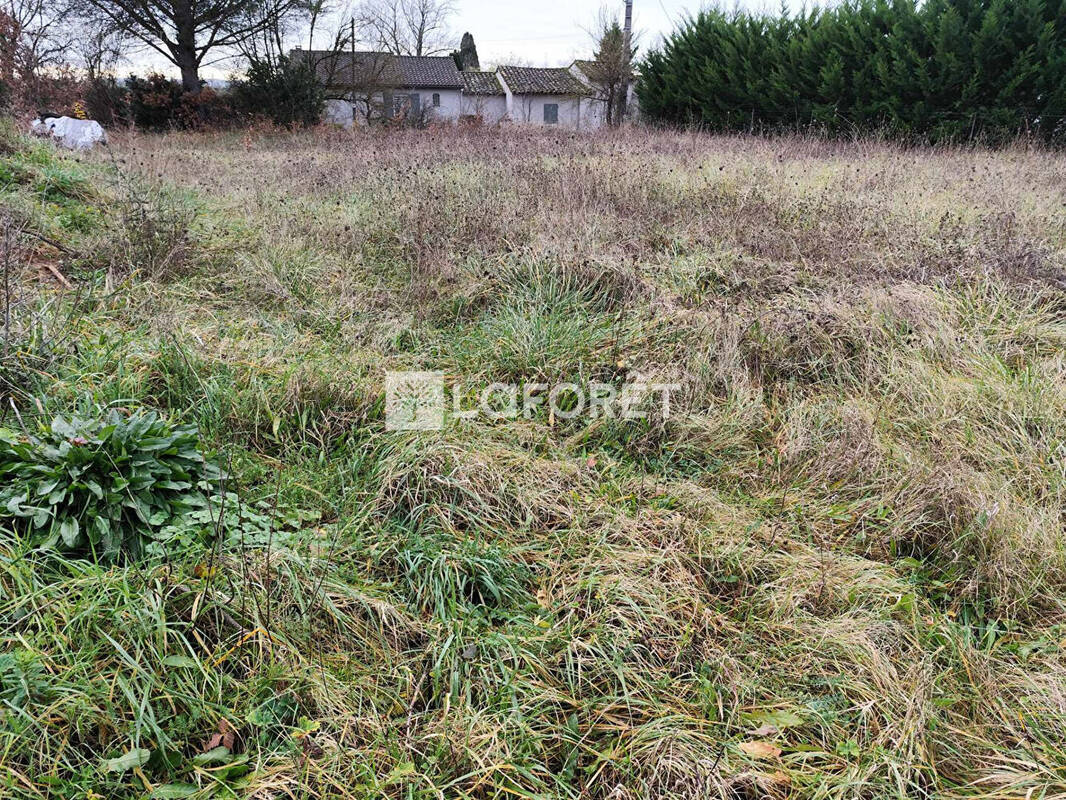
{"x":599,"y":107}
{"x":586,"y":114}
{"x":450,"y":103}
{"x":339,"y":112}
{"x":492,"y":109}
{"x":593,"y":113}
{"x":346,"y":113}
{"x":632,"y":104}
{"x":528,"y":109}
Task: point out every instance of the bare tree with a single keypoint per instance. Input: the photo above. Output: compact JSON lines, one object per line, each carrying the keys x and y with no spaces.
{"x":100,"y":47}
{"x":283,"y":21}
{"x":317,"y":11}
{"x":370,"y":79}
{"x":40,"y":37}
{"x":611,"y":70}
{"x":366,"y":80}
{"x":186,"y":31}
{"x":407,"y":27}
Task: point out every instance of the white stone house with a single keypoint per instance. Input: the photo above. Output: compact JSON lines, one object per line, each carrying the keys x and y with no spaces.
{"x":547,"y":96}
{"x":430,"y":88}
{"x":365,"y":86}
{"x":484,"y":99}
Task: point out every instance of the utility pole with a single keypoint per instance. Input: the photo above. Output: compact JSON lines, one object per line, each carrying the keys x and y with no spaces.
{"x":627,"y":60}
{"x":351,"y":41}
{"x":351,"y":95}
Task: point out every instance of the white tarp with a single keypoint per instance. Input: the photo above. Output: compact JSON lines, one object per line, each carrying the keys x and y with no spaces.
{"x":77,"y":134}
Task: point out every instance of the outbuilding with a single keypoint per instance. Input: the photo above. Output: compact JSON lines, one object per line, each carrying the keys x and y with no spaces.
{"x":547,"y":96}
{"x":484,"y":99}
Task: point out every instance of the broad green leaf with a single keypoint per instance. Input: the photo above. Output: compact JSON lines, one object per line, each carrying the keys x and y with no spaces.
{"x":180,"y":661}
{"x":217,"y":755}
{"x":137,"y":757}
{"x":46,"y":488}
{"x":169,"y":791}
{"x":69,"y":530}
{"x":60,"y":427}
{"x":779,"y":719}
{"x":102,"y":526}
{"x":177,"y":486}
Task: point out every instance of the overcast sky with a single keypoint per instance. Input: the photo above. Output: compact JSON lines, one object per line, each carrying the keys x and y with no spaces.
{"x":553,"y":32}
{"x":537,"y":32}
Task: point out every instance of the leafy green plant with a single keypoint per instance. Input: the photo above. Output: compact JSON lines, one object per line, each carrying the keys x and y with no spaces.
{"x":121,"y":484}
{"x":288,"y":92}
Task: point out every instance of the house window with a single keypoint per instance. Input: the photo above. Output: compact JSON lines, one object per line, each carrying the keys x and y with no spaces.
{"x":406,"y":107}
{"x":436,"y":100}
{"x":551,"y":113}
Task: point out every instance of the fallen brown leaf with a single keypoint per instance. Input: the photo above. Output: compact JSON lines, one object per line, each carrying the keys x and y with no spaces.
{"x":762,"y":750}
{"x":766,"y":729}
{"x":226,"y":737}
{"x":782,"y":778}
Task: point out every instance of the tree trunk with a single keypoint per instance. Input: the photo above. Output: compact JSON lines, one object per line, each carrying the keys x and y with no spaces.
{"x":190,"y":74}
{"x":184,"y":49}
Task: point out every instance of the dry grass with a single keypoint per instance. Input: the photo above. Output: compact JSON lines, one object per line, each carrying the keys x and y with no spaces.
{"x":837,"y":571}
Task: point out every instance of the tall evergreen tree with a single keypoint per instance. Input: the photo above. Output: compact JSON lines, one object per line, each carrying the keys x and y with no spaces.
{"x":935,"y":70}
{"x":466,"y":56}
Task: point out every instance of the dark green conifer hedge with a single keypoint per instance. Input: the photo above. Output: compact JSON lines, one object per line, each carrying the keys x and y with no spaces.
{"x":937,"y":70}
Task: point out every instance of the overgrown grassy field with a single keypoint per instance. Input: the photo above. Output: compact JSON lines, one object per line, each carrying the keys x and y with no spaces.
{"x":837,"y":569}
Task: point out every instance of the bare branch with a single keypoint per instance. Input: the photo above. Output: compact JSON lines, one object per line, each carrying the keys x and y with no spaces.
{"x":407,"y":27}
{"x":186,"y":31}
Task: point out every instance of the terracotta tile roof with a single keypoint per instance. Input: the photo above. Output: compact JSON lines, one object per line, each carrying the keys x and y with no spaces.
{"x":381,"y":69}
{"x":481,"y":83}
{"x":594,"y":70}
{"x":438,"y":72}
{"x":344,"y":68}
{"x":542,"y":80}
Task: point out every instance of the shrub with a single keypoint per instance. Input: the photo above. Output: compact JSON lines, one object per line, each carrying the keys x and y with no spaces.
{"x":208,"y":109}
{"x":152,"y":232}
{"x":106,"y":101}
{"x":287,"y":92}
{"x":156,"y":103}
{"x":107,"y":486}
{"x":153,"y":101}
